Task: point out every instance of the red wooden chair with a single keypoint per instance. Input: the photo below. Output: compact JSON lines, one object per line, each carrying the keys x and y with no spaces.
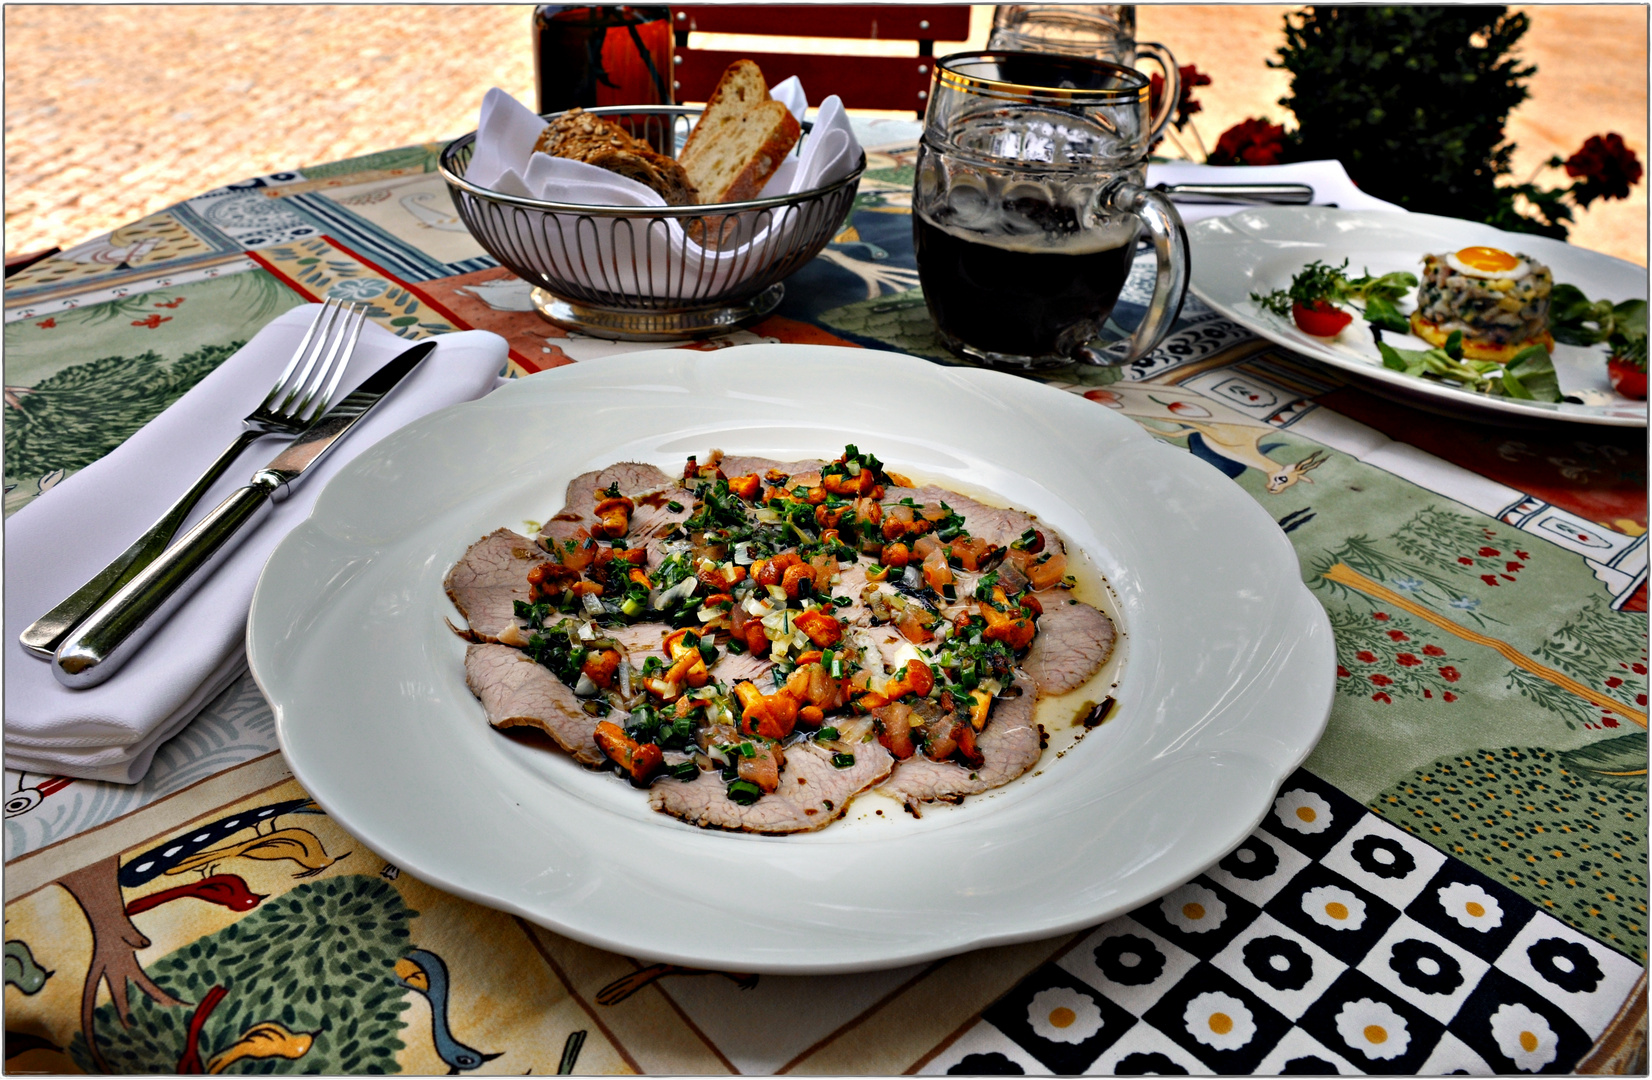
{"x":863,"y":82}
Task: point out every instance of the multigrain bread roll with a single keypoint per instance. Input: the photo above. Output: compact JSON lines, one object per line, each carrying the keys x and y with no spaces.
{"x":583,"y":137}
{"x":740,"y":139}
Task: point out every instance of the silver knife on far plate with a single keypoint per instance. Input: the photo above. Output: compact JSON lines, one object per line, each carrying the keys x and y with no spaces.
{"x":1267,"y":194}
{"x":115,"y":631}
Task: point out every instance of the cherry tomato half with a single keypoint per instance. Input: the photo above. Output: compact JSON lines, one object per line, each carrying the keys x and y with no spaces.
{"x":1320,"y":318}
{"x":1626,"y":379}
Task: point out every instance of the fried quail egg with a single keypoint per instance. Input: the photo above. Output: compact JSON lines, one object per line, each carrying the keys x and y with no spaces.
{"x":1488,"y":264}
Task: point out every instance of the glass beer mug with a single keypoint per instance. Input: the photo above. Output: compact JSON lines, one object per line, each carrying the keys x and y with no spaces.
{"x":1029,"y":195}
{"x":1098,"y":31}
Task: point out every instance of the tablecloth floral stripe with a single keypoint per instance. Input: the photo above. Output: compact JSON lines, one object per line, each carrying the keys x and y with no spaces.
{"x":1457,"y":879}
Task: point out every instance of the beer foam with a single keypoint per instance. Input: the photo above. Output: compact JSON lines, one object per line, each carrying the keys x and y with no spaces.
{"x":1105,"y":236}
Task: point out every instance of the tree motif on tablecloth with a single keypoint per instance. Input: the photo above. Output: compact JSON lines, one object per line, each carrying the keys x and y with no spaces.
{"x":1445,"y":540}
{"x":1441,"y":552}
{"x":1602,"y":649}
{"x":1565,"y":829}
{"x":1385,"y":656}
{"x":319,"y":961}
{"x":70,"y":419}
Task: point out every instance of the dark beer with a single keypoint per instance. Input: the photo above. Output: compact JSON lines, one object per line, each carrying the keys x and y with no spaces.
{"x":1041,"y":298}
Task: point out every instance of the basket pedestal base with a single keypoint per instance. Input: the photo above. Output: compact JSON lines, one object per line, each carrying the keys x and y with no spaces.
{"x":621,"y":325}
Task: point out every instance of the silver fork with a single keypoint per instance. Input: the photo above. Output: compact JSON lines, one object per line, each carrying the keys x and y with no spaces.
{"x":292,"y":405}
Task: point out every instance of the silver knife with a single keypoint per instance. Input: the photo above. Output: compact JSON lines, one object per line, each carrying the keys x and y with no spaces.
{"x":1275,"y":194}
{"x":116,"y":630}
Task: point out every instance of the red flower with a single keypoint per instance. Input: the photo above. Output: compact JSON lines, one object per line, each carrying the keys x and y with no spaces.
{"x":1465,"y":560}
{"x":1606,"y":167}
{"x":1638,"y":669}
{"x":1640,"y":699}
{"x":1513,"y":567}
{"x":1433,"y":650}
{"x":1613,"y":683}
{"x":1367,"y":656}
{"x":1489,"y":553}
{"x":1382,"y":697}
{"x":1450,"y":674}
{"x":169,"y":303}
{"x":1185,"y":105}
{"x":1399,"y":635}
{"x":1607,"y":721}
{"x":47,"y":324}
{"x":1506,"y":577}
{"x":1488,"y":579}
{"x":1249,"y":142}
{"x":1449,"y":696}
{"x":1407,"y":660}
{"x":153,"y":321}
{"x":1342,"y":672}
{"x":1521,"y":554}
{"x":1380,"y":616}
{"x":1428,"y":693}
{"x":1381,"y":680}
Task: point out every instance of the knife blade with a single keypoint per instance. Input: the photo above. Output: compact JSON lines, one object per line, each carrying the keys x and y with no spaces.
{"x":116,"y":630}
{"x":1272,"y":194}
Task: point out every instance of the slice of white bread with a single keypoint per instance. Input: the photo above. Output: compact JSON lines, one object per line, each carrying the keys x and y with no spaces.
{"x":740,"y":139}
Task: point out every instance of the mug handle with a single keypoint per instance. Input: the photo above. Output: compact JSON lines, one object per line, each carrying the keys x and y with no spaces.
{"x":1164,"y":225}
{"x":1152,"y":50}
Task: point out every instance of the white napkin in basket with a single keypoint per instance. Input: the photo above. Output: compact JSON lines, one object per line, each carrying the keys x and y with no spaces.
{"x":601,"y":256}
{"x":53,"y":545}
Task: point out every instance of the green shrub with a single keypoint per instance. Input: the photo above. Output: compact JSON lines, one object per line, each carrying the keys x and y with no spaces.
{"x":1412,"y":101}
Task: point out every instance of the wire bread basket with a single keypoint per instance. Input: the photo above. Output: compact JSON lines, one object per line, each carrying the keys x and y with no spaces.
{"x":650,"y":273}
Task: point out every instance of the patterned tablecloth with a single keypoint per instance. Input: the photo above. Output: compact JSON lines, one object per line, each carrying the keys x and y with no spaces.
{"x":1457,"y":878}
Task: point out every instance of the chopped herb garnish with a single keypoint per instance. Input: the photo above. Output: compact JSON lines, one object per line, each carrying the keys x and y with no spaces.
{"x":674,"y":506}
{"x":843,"y":761}
{"x":686,"y":771}
{"x":827,"y":733}
{"x":744,"y":792}
{"x":841,"y":601}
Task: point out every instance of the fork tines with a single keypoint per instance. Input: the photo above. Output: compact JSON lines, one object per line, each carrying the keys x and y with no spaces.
{"x":324,"y":354}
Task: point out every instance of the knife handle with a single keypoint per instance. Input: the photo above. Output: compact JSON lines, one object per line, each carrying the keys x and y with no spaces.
{"x":45,"y":634}
{"x":118,"y":628}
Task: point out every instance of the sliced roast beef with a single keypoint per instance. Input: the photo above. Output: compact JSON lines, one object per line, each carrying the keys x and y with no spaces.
{"x":491,"y":576}
{"x":991,"y":523}
{"x":808,"y":470}
{"x":1074,"y":640}
{"x":635,"y":482}
{"x":517,"y":692}
{"x":812,"y":792}
{"x":639,"y":641}
{"x":1009,"y":745}
{"x":731,"y":668}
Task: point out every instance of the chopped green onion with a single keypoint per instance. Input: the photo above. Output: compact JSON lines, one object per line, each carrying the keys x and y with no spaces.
{"x":674,"y":506}
{"x":632,"y":606}
{"x":744,"y":792}
{"x":843,"y":761}
{"x":746,"y":750}
{"x":827,"y":733}
{"x":686,"y":771}
{"x":842,"y":601}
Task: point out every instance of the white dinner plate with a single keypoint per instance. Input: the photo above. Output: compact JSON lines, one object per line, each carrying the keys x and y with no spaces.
{"x":1258,"y":251}
{"x":1225,"y":683}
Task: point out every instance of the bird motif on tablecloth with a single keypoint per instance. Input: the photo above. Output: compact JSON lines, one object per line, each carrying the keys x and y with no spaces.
{"x":424,"y":971}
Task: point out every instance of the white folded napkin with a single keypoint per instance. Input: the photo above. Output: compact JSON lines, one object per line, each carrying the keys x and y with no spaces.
{"x":54,"y":544}
{"x":598,"y":255}
{"x":1328,"y":179}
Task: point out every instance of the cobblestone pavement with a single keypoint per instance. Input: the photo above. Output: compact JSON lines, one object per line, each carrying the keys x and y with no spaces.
{"x":113,"y":112}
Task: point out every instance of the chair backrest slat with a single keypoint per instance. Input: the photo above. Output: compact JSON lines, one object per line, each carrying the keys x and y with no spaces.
{"x":863,"y":82}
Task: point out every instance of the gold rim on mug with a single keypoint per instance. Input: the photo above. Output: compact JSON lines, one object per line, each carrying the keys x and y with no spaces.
{"x":1022,"y":92}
